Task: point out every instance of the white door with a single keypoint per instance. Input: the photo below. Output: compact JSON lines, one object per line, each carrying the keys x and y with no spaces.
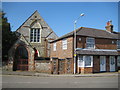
{"x":112,"y":63}
{"x":102,"y":63}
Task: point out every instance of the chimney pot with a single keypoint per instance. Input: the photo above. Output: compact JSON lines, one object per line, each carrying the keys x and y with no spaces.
{"x":109,"y":26}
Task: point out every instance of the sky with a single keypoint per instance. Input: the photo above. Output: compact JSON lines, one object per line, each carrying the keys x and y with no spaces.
{"x":60,"y":16}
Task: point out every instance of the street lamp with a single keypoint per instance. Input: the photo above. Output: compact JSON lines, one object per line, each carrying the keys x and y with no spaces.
{"x":75,"y":41}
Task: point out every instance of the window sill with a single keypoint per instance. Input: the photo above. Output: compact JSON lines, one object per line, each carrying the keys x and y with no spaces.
{"x":88,"y":66}
{"x":64,"y":49}
{"x":85,"y":66}
{"x":90,"y":48}
{"x":118,"y":49}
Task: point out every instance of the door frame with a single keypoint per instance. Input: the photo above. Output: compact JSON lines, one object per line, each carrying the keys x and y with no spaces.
{"x":111,"y":69}
{"x":103,"y":68}
{"x":15,"y":62}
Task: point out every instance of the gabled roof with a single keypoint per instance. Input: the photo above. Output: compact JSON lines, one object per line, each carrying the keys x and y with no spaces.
{"x":27,"y":20}
{"x":91,"y":32}
{"x":35,"y":17}
{"x":22,"y":41}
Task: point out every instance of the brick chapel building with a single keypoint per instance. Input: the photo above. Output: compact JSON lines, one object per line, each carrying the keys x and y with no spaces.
{"x":32,"y":45}
{"x":96,"y":51}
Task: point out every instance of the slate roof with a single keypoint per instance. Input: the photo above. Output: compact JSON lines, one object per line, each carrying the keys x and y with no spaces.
{"x":96,"y":33}
{"x":91,"y":32}
{"x":26,"y":20}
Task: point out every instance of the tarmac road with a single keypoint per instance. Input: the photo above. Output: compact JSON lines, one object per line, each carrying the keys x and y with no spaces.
{"x":14,"y":81}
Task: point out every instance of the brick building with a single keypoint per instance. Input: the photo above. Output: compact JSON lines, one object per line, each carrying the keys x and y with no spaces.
{"x":31,"y":51}
{"x":96,"y":51}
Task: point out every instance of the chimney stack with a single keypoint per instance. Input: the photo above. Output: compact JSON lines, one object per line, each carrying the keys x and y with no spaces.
{"x":109,"y":26}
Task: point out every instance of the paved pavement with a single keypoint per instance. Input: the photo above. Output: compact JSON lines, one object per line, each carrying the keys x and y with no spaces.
{"x":25,"y":73}
{"x":15,"y":81}
{"x":18,"y":79}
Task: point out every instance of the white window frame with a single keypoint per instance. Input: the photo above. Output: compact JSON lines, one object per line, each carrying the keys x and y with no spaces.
{"x":91,"y":57}
{"x":64,"y":44}
{"x":37,"y":37}
{"x":90,"y":43}
{"x":118,"y":61}
{"x":118,"y":44}
{"x":54,"y":46}
{"x":82,"y":64}
{"x":112,"y":58}
{"x":80,"y":61}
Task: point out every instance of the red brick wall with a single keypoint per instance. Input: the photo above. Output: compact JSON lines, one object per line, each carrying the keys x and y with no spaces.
{"x":86,"y":70}
{"x":105,"y":44}
{"x":60,"y":53}
{"x":68,"y":53}
{"x":63,"y":54}
{"x":100,"y":43}
{"x":81,"y":43}
{"x":96,"y":63}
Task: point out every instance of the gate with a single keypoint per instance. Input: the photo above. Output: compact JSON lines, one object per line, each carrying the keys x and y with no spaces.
{"x":61,"y":66}
{"x":22,"y":64}
{"x":21,"y":59}
{"x":54,"y":66}
{"x":69,"y":65}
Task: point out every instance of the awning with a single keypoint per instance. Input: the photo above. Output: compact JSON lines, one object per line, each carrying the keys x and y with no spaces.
{"x":97,"y":52}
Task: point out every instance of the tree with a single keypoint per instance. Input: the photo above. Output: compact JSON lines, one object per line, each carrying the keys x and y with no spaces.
{"x":8,"y":37}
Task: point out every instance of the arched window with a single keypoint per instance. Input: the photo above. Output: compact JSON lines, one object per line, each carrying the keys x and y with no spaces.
{"x":35,"y":35}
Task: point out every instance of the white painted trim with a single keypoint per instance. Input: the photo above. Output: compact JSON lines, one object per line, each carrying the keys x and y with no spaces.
{"x":83,"y":64}
{"x":97,"y":49}
{"x":79,"y":61}
{"x":86,"y":42}
{"x":104,"y":58}
{"x":64,"y":40}
{"x":36,"y":35}
{"x":111,"y":66}
{"x":91,"y":62}
{"x":118,"y":58}
{"x":54,"y":46}
{"x":118,"y":44}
